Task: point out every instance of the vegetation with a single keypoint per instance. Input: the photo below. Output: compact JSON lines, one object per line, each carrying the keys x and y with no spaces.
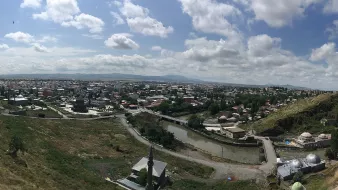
{"x":298,"y":177}
{"x":334,"y":144}
{"x":47,"y":113}
{"x":303,"y":115}
{"x":69,"y":154}
{"x":143,"y":176}
{"x":228,"y":185}
{"x":16,"y":144}
{"x":196,"y":122}
{"x":150,"y":127}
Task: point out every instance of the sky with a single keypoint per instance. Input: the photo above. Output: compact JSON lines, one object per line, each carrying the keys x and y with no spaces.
{"x":232,"y":41}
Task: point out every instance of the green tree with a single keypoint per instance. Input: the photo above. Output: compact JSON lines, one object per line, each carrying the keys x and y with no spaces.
{"x":223,"y":105}
{"x":195,"y":122}
{"x":329,"y":154}
{"x":298,"y":177}
{"x":15,"y":145}
{"x":214,"y":108}
{"x":142,"y":178}
{"x":334,"y":143}
{"x":164,"y":107}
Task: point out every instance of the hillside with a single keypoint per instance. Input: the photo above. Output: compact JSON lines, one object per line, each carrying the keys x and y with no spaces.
{"x":69,"y":154}
{"x":303,"y":115}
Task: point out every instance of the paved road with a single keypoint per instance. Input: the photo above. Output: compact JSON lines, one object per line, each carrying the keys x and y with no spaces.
{"x":270,"y":156}
{"x":222,"y":170}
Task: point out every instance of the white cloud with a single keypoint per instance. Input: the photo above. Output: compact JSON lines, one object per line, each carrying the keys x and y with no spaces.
{"x":47,"y":38}
{"x":323,"y":52}
{"x":118,"y":19}
{"x":121,"y":41}
{"x":277,"y":13}
{"x":333,"y":30}
{"x":59,"y":11}
{"x":262,"y":45}
{"x":331,"y":6}
{"x":20,"y":37}
{"x":31,"y":4}
{"x":156,"y":48}
{"x":94,"y":24}
{"x":139,"y":21}
{"x":65,"y":13}
{"x":39,"y":48}
{"x":149,"y":27}
{"x":4,"y":46}
{"x":93,"y":36}
{"x":210,"y":16}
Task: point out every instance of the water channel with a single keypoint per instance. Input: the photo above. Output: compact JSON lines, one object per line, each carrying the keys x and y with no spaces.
{"x":248,"y":155}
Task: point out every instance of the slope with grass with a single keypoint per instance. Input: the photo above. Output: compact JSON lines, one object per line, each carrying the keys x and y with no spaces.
{"x":303,"y":115}
{"x":70,"y":154}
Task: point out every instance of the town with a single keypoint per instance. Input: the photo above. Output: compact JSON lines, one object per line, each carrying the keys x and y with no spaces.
{"x":163,"y":114}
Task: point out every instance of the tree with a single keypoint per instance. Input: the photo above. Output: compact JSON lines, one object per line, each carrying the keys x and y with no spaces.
{"x":329,"y":154}
{"x":164,"y":107}
{"x":16,"y":145}
{"x":214,"y":108}
{"x":298,"y":177}
{"x":142,"y":178}
{"x":223,"y":104}
{"x":334,"y":143}
{"x":195,"y":122}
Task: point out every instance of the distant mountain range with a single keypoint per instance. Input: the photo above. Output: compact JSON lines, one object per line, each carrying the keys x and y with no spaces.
{"x":119,"y":76}
{"x":112,"y":76}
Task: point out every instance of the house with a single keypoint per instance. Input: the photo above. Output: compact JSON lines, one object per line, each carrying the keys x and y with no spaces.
{"x":156,"y":176}
{"x":234,"y":133}
{"x":18,"y":101}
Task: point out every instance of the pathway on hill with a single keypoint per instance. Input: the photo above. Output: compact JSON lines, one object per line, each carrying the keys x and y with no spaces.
{"x":222,"y":170}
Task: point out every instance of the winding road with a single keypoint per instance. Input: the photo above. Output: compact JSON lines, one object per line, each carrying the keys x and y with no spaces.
{"x":222,"y":170}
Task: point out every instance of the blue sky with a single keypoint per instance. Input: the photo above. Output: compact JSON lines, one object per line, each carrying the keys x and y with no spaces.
{"x":239,"y":41}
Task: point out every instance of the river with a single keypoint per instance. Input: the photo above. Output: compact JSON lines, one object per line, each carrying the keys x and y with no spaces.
{"x":248,"y":155}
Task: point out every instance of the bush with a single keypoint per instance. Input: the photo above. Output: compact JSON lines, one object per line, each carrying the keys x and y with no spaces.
{"x":16,"y":145}
{"x":143,"y":176}
{"x":329,"y":154}
{"x":298,"y":177}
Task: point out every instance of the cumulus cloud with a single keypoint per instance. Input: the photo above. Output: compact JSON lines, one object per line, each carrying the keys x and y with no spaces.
{"x":262,"y":45}
{"x":121,"y":41}
{"x":94,"y":24}
{"x":4,"y":46}
{"x":118,"y":19}
{"x":139,"y":21}
{"x":31,"y":4}
{"x":323,"y":52}
{"x":65,"y":13}
{"x":39,"y":48}
{"x":210,"y":16}
{"x":20,"y":37}
{"x":278,"y":13}
{"x":59,"y":10}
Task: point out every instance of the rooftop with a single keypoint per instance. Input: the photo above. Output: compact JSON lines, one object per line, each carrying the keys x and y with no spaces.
{"x":158,"y":167}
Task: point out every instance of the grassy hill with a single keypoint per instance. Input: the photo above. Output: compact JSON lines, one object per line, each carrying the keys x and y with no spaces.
{"x":72,"y":154}
{"x":69,"y":154}
{"x":303,"y":115}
